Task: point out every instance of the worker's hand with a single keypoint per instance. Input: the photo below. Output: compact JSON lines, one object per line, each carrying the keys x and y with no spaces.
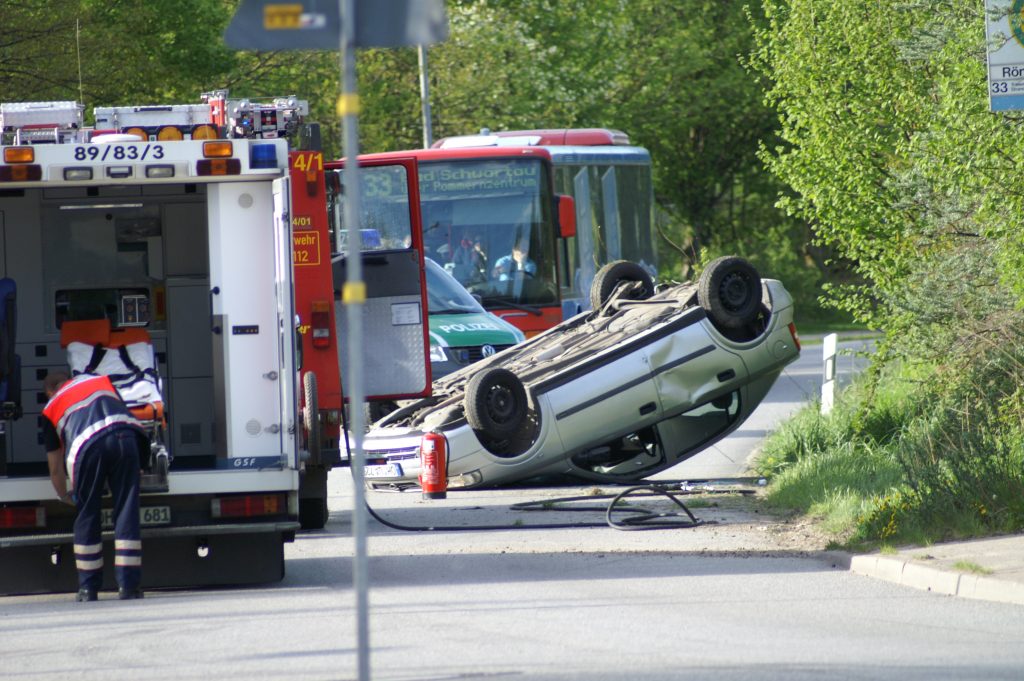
{"x":68,"y":499}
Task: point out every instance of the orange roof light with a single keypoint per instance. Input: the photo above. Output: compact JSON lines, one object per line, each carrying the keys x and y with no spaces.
{"x":19,"y":155}
{"x":218,"y":149}
{"x":138,"y":132}
{"x":169,"y":133}
{"x":204,"y":131}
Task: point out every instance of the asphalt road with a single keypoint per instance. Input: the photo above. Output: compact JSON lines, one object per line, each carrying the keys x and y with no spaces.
{"x":725,"y":600}
{"x":562,"y":604}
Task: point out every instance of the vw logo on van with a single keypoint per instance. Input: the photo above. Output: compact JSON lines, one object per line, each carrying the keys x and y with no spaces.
{"x":487,"y":350}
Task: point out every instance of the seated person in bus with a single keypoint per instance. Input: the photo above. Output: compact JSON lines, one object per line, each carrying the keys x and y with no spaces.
{"x":507,"y":266}
{"x":469,"y":261}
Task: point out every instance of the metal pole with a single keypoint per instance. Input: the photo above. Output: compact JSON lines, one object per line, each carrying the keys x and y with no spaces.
{"x":354,"y":296}
{"x":428,"y":131}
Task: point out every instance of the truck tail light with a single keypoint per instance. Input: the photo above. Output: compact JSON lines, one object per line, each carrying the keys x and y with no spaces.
{"x":219,"y":166}
{"x":248,"y":506}
{"x":795,"y":335}
{"x":321,"y":324}
{"x":311,"y":179}
{"x":21,"y":173}
{"x":20,"y":517}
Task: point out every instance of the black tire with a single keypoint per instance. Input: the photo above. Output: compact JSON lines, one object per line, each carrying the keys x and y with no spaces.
{"x":614,"y":273}
{"x":311,"y":415}
{"x":495,"y":403}
{"x":729,"y":290}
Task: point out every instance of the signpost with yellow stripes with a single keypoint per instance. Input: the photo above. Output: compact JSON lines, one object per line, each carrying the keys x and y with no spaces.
{"x":330,"y":25}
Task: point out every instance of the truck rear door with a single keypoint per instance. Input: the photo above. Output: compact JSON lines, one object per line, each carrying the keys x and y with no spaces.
{"x":396,"y":351}
{"x":252,"y":323}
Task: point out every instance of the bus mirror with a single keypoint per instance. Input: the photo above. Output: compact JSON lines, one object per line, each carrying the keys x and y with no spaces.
{"x":566,"y":216}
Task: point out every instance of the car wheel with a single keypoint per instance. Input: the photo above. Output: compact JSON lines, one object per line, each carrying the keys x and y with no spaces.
{"x":311,"y":415}
{"x":729,"y":290}
{"x":618,"y":272}
{"x":495,"y":403}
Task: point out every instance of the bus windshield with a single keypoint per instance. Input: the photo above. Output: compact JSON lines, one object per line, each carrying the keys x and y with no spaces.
{"x":489,"y":221}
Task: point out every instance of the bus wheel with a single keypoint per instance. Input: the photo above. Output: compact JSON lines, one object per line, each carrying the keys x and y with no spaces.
{"x":495,"y":403}
{"x":311,"y":415}
{"x":729,"y":290}
{"x":610,"y":276}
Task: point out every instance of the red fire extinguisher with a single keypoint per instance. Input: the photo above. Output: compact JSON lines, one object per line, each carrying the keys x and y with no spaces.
{"x":434,"y":466}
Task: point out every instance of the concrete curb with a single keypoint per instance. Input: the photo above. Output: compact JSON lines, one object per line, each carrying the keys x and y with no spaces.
{"x":918,"y":576}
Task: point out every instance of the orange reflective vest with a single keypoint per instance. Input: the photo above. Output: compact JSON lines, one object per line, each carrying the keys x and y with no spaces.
{"x":83,"y":407}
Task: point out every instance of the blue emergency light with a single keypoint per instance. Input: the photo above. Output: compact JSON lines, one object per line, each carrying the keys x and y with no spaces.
{"x":263,"y":156}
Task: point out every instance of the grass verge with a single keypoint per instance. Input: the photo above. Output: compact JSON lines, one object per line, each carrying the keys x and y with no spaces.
{"x":911,"y":453}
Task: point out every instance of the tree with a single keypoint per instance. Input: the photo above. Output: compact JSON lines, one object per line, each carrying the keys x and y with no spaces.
{"x":893,"y":156}
{"x":670,"y":75}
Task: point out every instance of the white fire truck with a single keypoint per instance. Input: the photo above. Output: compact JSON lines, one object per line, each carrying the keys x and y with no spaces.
{"x":157,"y":248}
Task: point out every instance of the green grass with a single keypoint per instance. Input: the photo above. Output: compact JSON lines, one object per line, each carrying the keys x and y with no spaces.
{"x":970,"y":566}
{"x":926,"y":453}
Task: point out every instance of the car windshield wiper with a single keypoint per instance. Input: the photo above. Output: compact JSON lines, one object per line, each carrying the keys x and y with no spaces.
{"x":491,"y":303}
{"x":451,"y":310}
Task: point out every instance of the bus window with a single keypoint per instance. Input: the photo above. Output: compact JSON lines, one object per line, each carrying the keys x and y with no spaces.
{"x":383,"y":211}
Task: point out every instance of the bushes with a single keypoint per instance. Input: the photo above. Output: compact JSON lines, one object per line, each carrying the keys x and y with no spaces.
{"x":922,"y":453}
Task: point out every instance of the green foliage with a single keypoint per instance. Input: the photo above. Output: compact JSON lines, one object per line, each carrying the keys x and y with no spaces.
{"x":669,"y":74}
{"x":892,"y":154}
{"x":922,"y":453}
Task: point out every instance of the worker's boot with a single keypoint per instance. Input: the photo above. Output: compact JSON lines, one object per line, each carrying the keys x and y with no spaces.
{"x":86,"y":594}
{"x":129,"y":594}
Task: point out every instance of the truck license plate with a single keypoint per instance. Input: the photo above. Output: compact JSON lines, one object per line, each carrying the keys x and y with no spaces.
{"x":148,"y":516}
{"x":389,"y":470}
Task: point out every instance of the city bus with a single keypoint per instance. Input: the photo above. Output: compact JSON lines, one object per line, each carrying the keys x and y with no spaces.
{"x":610,"y":181}
{"x":491,"y":218}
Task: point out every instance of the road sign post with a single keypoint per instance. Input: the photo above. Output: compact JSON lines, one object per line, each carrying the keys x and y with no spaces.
{"x":345,"y":25}
{"x":1005,"y":37}
{"x":828,"y":382}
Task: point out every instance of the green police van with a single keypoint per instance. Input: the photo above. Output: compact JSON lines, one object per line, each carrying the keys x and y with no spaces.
{"x":461,"y":331}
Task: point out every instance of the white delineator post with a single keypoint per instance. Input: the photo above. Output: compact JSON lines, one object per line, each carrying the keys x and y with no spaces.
{"x":828,"y":383}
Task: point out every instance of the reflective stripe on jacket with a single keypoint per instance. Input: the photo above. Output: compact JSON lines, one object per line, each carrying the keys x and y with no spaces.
{"x":84,"y":406}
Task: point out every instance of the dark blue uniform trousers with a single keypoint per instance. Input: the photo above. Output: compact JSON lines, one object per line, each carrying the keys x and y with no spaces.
{"x":111,"y":457}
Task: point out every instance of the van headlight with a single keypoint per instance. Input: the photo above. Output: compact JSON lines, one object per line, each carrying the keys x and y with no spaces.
{"x":437,"y":354}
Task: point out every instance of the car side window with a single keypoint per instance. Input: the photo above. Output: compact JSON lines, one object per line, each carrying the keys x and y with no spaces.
{"x":705,"y":421}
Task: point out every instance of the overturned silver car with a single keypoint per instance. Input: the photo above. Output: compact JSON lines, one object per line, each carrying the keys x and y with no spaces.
{"x":647,"y":379}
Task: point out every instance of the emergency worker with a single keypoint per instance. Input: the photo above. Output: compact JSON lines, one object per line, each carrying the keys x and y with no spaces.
{"x":92,"y":439}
